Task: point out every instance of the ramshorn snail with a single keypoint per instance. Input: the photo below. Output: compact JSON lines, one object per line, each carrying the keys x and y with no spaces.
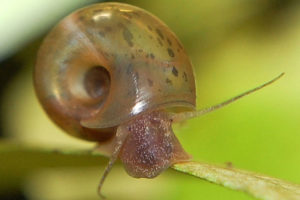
{"x":115,"y":74}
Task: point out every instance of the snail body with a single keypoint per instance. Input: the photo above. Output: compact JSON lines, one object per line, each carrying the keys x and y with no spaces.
{"x":115,"y":74}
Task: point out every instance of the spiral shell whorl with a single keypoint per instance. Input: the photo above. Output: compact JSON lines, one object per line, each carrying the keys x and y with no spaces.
{"x":141,"y":63}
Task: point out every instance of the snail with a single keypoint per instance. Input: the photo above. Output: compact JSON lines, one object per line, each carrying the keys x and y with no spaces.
{"x":115,"y":74}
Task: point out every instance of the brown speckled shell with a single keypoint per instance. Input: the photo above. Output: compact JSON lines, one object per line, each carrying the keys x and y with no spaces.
{"x":147,"y":65}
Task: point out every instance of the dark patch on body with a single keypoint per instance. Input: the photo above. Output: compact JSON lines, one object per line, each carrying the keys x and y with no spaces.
{"x":152,"y":55}
{"x":149,"y":27}
{"x":168,"y":81}
{"x":132,"y":56}
{"x":150,"y":82}
{"x":81,"y":18}
{"x":102,"y":33}
{"x":171,"y":52}
{"x":184,"y":76}
{"x":174,"y":71}
{"x":158,"y":31}
{"x":160,"y":42}
{"x":129,"y":69}
{"x":127,"y":35}
{"x":140,"y":50}
{"x":107,"y":28}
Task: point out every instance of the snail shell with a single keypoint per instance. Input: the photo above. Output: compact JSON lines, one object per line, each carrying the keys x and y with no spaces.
{"x":105,"y":64}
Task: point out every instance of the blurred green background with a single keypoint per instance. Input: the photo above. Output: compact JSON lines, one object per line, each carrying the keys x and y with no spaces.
{"x":234,"y":46}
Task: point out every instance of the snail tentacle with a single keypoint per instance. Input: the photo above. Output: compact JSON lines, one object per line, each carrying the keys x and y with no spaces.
{"x":121,"y":136}
{"x":192,"y":114}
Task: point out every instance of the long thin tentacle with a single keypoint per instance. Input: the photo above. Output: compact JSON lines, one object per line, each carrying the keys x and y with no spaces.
{"x":187,"y":115}
{"x":121,"y":136}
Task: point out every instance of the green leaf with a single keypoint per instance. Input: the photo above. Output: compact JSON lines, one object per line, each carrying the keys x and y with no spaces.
{"x":257,"y":185}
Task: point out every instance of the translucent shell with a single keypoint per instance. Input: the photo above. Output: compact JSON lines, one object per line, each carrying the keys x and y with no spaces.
{"x":106,"y":63}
